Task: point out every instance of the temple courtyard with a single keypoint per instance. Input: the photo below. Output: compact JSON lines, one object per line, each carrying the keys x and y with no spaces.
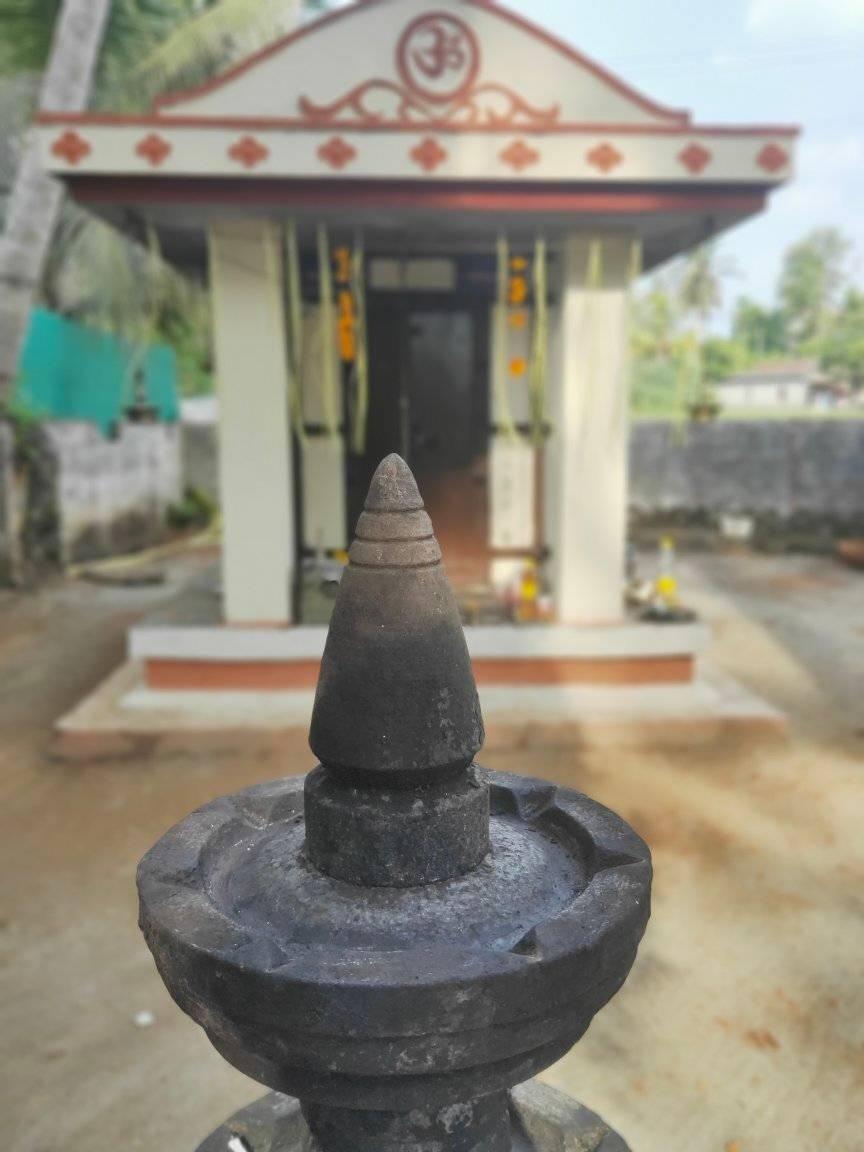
{"x":741,"y":1028}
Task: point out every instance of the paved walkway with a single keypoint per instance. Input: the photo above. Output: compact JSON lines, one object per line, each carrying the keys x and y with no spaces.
{"x":742,"y":1027}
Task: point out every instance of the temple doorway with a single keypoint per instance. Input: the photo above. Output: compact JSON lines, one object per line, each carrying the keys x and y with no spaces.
{"x":429,"y":359}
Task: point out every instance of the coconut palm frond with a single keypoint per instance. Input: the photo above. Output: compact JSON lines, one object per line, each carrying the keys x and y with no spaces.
{"x":134,"y":26}
{"x":58,"y":286}
{"x":28,"y":26}
{"x":214,"y":38}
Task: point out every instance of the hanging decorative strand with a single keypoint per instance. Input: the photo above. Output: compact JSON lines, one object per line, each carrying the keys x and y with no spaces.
{"x":634,"y":271}
{"x":586,"y":396}
{"x":538,"y":377}
{"x":294,"y":325}
{"x":156,"y":278}
{"x":361,"y":362}
{"x":595,"y":264}
{"x":329,"y":374}
{"x":637,"y":255}
{"x":501,"y":368}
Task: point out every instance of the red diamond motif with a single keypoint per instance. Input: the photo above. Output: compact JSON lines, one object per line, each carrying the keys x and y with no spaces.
{"x":605,"y":157}
{"x":772,"y":158}
{"x":248,"y":151}
{"x":428,"y":154}
{"x":695,"y":158}
{"x":71,"y":147}
{"x":520,"y":155}
{"x":337,"y":152}
{"x":154,"y":148}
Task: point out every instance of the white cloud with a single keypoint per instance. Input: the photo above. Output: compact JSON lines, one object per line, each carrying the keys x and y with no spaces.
{"x":805,"y":17}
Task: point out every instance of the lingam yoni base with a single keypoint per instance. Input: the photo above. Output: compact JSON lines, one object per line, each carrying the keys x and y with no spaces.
{"x":400,"y":937}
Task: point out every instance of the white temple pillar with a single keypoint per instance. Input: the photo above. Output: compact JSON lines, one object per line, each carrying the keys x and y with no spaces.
{"x":255,"y":472}
{"x":588,"y":457}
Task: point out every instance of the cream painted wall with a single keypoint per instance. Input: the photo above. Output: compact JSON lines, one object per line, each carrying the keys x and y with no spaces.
{"x":362,"y":46}
{"x":650,"y":157}
{"x":589,"y":448}
{"x":254,"y":438}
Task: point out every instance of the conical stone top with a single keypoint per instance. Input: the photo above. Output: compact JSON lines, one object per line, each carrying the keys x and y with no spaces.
{"x":396,"y":695}
{"x":393,"y":488}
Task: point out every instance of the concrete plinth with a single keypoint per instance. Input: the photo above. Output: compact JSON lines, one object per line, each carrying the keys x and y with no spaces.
{"x":542,"y":1118}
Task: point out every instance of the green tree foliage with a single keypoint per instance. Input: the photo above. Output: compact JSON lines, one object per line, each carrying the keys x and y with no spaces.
{"x":666,"y":371}
{"x":654,"y":387}
{"x":135,"y":28}
{"x":215,"y":34}
{"x":700,"y":294}
{"x":675,"y":360}
{"x":812,"y":281}
{"x":92,"y":273}
{"x":842,"y":348}
{"x":655,"y":323}
{"x":149,"y":45}
{"x":700,"y":287}
{"x":721,"y":358}
{"x":760,"y":331}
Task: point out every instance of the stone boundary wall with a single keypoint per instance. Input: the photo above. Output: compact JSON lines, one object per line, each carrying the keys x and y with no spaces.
{"x":781,"y":472}
{"x":84,"y":497}
{"x":113,"y":495}
{"x":804,"y":478}
{"x":200,"y":453}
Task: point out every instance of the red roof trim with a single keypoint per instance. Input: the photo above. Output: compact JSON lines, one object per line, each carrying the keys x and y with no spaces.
{"x":454,"y":196}
{"x":680,"y":116}
{"x":283,"y":124}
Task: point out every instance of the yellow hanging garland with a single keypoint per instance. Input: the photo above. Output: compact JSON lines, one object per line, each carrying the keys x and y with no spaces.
{"x":501,"y":375}
{"x":361,"y":361}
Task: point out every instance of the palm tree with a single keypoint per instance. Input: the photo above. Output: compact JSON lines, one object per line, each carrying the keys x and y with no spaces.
{"x":34,"y":202}
{"x":94,"y":47}
{"x":700,"y":291}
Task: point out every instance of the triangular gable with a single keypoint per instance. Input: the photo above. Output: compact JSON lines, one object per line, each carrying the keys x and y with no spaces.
{"x":403,"y":63}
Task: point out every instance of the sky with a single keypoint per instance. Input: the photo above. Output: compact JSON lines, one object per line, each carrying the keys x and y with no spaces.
{"x":764,"y":61}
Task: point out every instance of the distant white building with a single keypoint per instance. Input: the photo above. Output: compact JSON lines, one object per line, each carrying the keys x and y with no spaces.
{"x":781,"y":384}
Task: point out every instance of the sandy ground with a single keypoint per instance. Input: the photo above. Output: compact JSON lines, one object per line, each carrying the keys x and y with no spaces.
{"x":741,"y":1028}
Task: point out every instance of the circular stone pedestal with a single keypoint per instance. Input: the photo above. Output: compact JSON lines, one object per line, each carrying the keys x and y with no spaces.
{"x":542,"y":1120}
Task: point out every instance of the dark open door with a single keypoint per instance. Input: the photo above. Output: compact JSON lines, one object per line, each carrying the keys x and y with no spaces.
{"x":428,"y":364}
{"x":449,"y":432}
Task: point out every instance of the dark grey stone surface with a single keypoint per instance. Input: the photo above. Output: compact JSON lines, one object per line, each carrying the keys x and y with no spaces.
{"x":396,"y":693}
{"x":396,"y":721}
{"x":401,"y":937}
{"x":774,"y":468}
{"x":541,"y":1120}
{"x":396,"y":837}
{"x":388,"y":998}
{"x":779,"y":468}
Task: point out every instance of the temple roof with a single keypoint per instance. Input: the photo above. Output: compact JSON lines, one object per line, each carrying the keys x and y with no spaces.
{"x":455,"y":105}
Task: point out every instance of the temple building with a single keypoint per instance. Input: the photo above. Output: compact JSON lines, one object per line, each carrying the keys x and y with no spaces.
{"x":421,"y":225}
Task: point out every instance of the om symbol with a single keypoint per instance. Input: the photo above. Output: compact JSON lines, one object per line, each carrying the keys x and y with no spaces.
{"x":438,"y":57}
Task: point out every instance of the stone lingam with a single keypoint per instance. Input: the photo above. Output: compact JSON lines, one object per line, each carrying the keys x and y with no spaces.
{"x":396,"y":941}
